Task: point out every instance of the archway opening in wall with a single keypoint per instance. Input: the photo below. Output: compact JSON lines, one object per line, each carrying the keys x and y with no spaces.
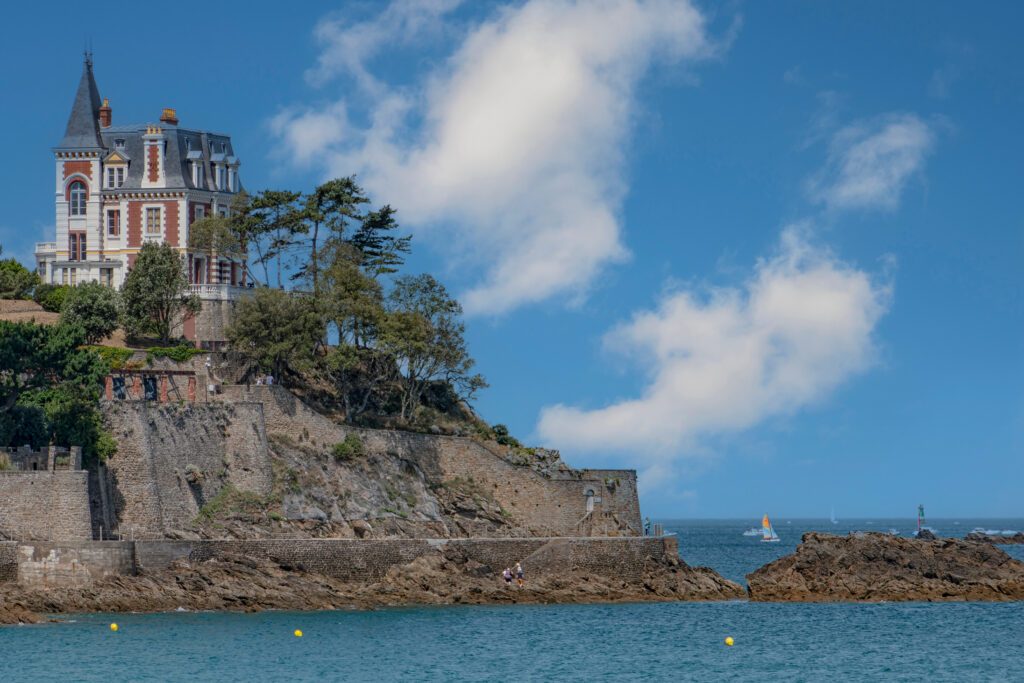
{"x":589,"y":493}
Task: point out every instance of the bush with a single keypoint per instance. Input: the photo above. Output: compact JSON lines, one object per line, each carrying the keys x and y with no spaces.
{"x":16,"y":281}
{"x":51,"y":297}
{"x":114,"y":357}
{"x":179,"y":354}
{"x":502,"y":436}
{"x":349,"y":449}
{"x":94,"y":308}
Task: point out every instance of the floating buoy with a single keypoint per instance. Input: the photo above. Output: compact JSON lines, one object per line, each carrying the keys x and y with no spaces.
{"x":298,"y":633}
{"x":113,"y":627}
{"x":729,"y":641}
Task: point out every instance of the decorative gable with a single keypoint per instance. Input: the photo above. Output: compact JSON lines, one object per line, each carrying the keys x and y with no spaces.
{"x":116,"y":157}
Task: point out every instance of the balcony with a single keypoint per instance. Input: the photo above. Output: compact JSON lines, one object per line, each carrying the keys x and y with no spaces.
{"x":46,"y":247}
{"x":219,"y":292}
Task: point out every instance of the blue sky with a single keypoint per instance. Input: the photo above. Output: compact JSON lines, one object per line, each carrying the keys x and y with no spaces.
{"x":767,"y":254}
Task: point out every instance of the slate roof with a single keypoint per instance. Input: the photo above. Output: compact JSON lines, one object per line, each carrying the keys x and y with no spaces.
{"x":83,"y":130}
{"x":183,"y":144}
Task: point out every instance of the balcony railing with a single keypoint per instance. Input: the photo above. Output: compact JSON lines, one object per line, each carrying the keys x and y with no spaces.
{"x":42,"y":247}
{"x":219,"y":292}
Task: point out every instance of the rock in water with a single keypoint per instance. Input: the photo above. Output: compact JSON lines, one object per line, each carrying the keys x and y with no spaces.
{"x":872,"y":567}
{"x":925,"y":535}
{"x":983,"y":537}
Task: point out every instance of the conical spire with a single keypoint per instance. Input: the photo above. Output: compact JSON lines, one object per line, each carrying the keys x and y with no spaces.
{"x":83,"y":129}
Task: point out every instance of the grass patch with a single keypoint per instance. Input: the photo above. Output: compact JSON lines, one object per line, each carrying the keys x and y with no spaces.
{"x":349,"y":449}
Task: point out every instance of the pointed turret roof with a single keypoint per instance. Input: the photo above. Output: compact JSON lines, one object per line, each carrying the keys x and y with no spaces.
{"x":83,"y":131}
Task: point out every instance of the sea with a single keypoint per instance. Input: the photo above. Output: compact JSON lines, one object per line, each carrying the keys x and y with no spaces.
{"x":627,"y":642}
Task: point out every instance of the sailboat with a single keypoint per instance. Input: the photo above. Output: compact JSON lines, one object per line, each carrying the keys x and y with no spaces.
{"x":768,"y":534}
{"x":833,"y":517}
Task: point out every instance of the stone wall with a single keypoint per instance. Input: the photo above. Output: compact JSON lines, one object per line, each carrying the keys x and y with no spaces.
{"x":73,"y":564}
{"x":552,"y":507}
{"x":361,"y":560}
{"x":45,"y":505}
{"x":172,"y":459}
{"x":8,"y":561}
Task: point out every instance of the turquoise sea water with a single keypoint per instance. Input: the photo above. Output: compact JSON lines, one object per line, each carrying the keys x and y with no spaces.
{"x":679,"y":641}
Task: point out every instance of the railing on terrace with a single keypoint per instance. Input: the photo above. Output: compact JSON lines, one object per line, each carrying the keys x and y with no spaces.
{"x":46,"y":246}
{"x":219,"y":292}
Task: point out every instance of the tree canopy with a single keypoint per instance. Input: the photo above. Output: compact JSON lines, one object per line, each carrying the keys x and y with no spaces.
{"x":94,"y":308}
{"x":16,"y":281}
{"x":156,"y":292}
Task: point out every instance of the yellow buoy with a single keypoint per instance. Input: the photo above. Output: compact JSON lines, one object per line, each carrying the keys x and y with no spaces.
{"x":729,"y":641}
{"x":113,"y":627}
{"x":298,"y":633}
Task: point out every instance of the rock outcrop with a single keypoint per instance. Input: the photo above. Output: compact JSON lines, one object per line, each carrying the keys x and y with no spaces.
{"x":874,"y":567}
{"x":982,"y":537}
{"x":239,"y":583}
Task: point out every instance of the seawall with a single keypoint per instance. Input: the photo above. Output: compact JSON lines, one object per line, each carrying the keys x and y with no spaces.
{"x":43,"y":564}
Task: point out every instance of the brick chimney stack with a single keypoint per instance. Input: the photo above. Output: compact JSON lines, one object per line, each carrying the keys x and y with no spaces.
{"x":105,"y":114}
{"x":170,"y":117}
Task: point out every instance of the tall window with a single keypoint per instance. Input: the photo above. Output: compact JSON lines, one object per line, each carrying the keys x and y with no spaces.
{"x":76,"y":246}
{"x":153,"y":221}
{"x":221,"y":185}
{"x":74,"y":277}
{"x":198,"y":179}
{"x":77,"y":196}
{"x":114,"y":223}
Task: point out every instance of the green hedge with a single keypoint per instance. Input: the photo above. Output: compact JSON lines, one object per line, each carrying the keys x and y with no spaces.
{"x":179,"y":354}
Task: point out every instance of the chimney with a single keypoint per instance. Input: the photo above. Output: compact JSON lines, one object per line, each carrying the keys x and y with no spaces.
{"x":105,"y":114}
{"x":170,"y":117}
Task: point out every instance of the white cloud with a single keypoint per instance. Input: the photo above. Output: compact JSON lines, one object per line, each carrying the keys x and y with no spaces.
{"x":510,"y":152}
{"x":721,"y":363}
{"x":869,"y":163}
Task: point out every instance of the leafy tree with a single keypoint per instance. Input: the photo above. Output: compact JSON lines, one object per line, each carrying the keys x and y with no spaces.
{"x":333,"y":206}
{"x":362,"y":375}
{"x":49,"y":388}
{"x":156,"y":292}
{"x":277,"y":221}
{"x":215,"y":235}
{"x":382,"y":252}
{"x":16,"y":281}
{"x":425,"y":333}
{"x":94,"y":308}
{"x":276,"y":330}
{"x":349,"y":299}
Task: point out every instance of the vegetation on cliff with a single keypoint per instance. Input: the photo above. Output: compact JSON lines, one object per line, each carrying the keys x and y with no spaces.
{"x":49,"y":388}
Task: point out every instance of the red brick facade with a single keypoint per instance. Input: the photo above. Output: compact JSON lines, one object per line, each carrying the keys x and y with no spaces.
{"x":171,"y":223}
{"x":83,"y":167}
{"x":153,"y":162}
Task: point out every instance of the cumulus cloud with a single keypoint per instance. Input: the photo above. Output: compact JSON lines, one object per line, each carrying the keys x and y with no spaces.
{"x":722,"y":362}
{"x":869,"y":163}
{"x":512,"y":148}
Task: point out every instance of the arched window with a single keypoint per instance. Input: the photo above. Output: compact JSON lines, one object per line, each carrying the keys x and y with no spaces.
{"x":77,"y":196}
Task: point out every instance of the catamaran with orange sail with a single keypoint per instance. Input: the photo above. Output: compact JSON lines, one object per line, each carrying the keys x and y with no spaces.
{"x":768,"y":534}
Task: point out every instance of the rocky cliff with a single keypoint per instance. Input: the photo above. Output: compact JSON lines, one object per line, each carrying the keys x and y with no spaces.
{"x":875,"y":567}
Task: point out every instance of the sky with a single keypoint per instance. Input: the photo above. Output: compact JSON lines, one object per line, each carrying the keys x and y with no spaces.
{"x":767,"y":254}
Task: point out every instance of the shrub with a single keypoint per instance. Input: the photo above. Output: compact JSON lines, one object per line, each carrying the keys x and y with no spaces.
{"x":16,"y":281}
{"x":94,"y":308}
{"x":51,"y":297}
{"x":502,"y":436}
{"x":349,"y":449}
{"x":114,"y":357}
{"x":181,"y":353}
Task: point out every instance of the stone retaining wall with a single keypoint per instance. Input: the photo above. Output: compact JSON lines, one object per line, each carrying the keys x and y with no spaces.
{"x":51,"y":506}
{"x":361,"y":560}
{"x":551,"y":507}
{"x":73,"y":564}
{"x":8,"y":561}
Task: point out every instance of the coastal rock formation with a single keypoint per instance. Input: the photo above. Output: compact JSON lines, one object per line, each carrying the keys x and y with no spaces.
{"x":982,"y":537}
{"x":874,"y":567}
{"x":240,"y":583}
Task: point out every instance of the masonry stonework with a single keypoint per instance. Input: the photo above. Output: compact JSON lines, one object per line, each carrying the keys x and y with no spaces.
{"x":45,"y":505}
{"x":545,"y":506}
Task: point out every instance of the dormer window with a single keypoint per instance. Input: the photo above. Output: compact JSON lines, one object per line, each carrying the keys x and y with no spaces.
{"x":221,"y":183}
{"x":198,"y":176}
{"x":115,"y":177}
{"x":77,"y":196}
{"x":119,"y":143}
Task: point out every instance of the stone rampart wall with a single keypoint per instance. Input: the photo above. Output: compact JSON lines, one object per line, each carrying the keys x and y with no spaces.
{"x":8,"y":561}
{"x":73,"y":564}
{"x":45,"y":505}
{"x":361,"y":560}
{"x":172,"y":459}
{"x":551,"y":507}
